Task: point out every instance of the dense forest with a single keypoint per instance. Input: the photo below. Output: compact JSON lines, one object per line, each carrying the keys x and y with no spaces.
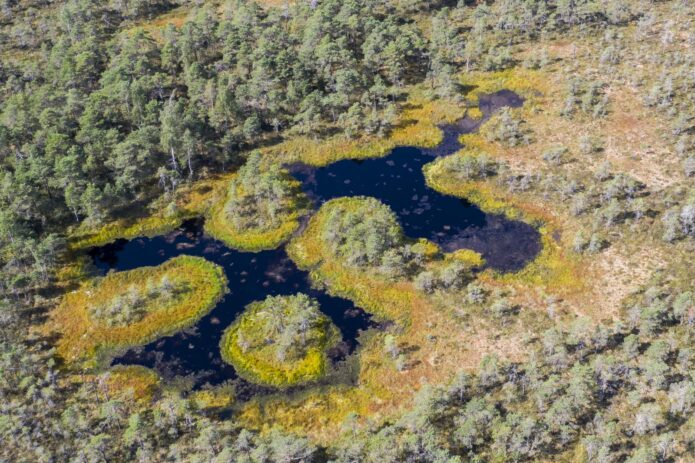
{"x":114,"y":109}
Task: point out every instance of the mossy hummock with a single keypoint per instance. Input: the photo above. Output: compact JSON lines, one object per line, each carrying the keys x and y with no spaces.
{"x":135,"y":307}
{"x":281,"y":341}
{"x":218,"y":225}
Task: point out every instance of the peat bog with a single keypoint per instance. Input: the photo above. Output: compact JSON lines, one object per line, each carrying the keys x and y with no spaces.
{"x":396,"y":180}
{"x":453,"y":223}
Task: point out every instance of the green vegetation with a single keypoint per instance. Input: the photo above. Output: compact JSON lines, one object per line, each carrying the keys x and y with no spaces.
{"x":361,"y":231}
{"x":469,"y":165}
{"x":505,"y":128}
{"x":262,"y":209}
{"x":281,"y":341}
{"x":122,"y":118}
{"x":132,"y":308}
{"x":136,"y":302}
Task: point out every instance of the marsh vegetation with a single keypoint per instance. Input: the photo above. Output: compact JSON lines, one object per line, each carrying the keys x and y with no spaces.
{"x":533,"y":301}
{"x":262,"y":208}
{"x":132,"y":308}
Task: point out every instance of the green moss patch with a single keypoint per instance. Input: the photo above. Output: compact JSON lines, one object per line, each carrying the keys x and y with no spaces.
{"x":135,"y":307}
{"x":281,"y":341}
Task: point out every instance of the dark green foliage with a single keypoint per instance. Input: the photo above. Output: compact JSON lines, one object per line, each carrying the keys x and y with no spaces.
{"x":108,"y":118}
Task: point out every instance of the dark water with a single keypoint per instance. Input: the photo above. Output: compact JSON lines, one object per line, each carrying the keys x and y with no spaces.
{"x":396,"y":179}
{"x":252,"y":277}
{"x":453,"y":223}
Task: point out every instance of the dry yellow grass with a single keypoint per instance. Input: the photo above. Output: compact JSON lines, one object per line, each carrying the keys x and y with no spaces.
{"x":131,"y":382}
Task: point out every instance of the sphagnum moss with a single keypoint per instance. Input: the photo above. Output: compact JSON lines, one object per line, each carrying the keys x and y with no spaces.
{"x":85,"y":337}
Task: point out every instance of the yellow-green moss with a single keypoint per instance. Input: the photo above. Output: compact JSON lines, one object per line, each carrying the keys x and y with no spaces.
{"x":259,"y":363}
{"x":525,"y":82}
{"x":468,"y":257}
{"x":210,"y":399}
{"x":426,"y":247}
{"x":249,"y":240}
{"x":481,"y":193}
{"x":84,"y":338}
{"x":319,"y":412}
{"x":153,"y":225}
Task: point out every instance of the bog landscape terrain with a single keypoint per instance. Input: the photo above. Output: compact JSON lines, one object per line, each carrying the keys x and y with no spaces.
{"x":347,"y":231}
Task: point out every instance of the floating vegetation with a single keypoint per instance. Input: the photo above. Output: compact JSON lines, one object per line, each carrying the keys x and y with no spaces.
{"x":280,"y":341}
{"x":132,"y":308}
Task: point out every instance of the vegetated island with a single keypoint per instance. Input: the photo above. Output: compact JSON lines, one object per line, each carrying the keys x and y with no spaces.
{"x":261,"y":210}
{"x":134,"y":307}
{"x":281,"y":341}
